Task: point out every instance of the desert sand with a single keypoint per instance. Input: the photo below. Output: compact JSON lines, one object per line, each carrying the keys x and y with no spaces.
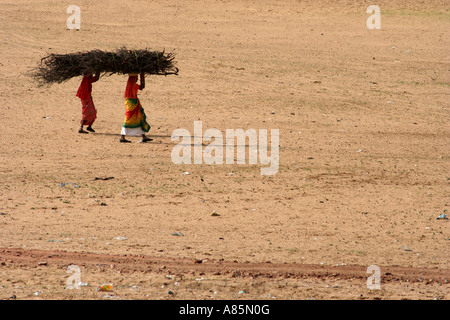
{"x":364,"y":153}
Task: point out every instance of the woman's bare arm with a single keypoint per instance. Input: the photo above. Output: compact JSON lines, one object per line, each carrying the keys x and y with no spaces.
{"x":142,"y":85}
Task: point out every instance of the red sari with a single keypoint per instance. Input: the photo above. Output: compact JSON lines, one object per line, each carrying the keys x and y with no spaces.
{"x":88,"y":111}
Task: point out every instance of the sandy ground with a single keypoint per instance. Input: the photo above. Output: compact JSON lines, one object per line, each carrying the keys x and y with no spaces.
{"x":364,"y":140}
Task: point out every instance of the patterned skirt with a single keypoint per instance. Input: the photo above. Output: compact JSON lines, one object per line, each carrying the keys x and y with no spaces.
{"x":135,"y":119}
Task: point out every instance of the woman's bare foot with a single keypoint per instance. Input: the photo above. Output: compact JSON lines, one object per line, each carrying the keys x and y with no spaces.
{"x":145,"y":139}
{"x":90,"y":129}
{"x":122,"y":139}
{"x":82,"y":131}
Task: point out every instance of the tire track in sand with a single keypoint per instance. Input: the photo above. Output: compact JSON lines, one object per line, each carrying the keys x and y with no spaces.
{"x":141,"y":263}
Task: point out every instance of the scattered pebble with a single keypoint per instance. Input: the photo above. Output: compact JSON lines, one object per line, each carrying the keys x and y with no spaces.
{"x":64,"y":184}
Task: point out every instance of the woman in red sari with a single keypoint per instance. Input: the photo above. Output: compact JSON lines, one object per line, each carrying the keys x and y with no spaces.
{"x":135,"y":123}
{"x":88,"y":111}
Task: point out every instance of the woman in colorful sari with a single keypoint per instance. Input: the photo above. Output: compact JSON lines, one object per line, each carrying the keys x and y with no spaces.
{"x":88,"y":111}
{"x":135,"y":123}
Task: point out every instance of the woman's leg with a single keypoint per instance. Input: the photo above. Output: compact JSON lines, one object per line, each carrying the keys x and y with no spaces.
{"x":122,"y":139}
{"x":145,"y":138}
{"x":81,"y":130}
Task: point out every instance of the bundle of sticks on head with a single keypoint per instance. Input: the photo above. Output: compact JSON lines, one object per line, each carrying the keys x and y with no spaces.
{"x":57,"y":68}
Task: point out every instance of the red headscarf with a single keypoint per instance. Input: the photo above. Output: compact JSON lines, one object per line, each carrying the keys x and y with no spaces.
{"x":85,"y":89}
{"x":132,"y":87}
